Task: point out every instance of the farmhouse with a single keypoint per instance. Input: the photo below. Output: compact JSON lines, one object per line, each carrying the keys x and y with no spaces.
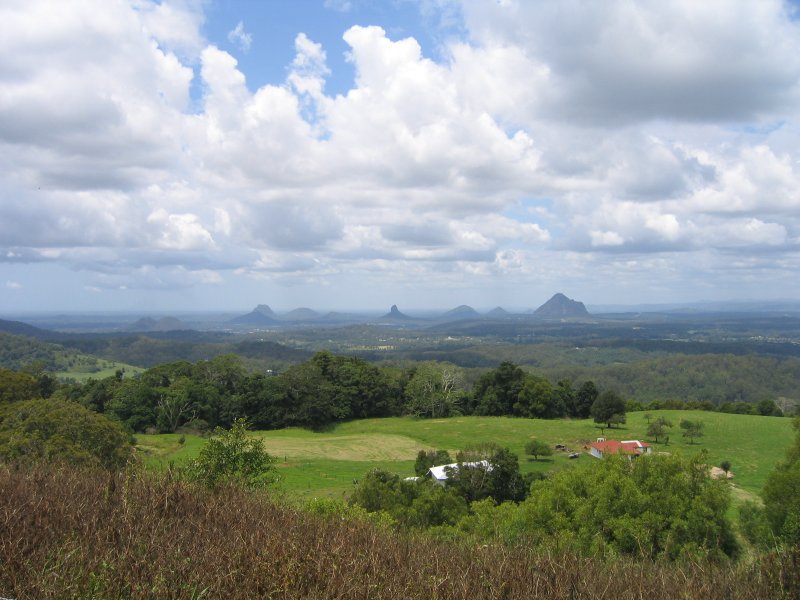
{"x":439,"y":474}
{"x":603,"y":447}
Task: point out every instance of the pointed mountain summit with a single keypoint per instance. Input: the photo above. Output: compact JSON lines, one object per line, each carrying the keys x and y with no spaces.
{"x":261,"y":315}
{"x":395,"y":315}
{"x":559,"y":306}
{"x":498,"y":313}
{"x":459,"y":313}
{"x":265,"y":310}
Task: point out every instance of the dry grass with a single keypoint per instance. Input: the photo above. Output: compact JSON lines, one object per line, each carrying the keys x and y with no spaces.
{"x":67,"y":534}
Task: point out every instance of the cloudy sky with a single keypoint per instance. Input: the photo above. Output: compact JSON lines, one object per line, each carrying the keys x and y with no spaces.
{"x":217,"y":154}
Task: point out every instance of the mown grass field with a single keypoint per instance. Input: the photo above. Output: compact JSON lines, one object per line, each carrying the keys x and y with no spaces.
{"x":327,"y":463}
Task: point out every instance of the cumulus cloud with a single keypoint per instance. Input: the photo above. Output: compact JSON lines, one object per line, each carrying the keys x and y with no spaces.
{"x":656,"y":138}
{"x":620,"y":61}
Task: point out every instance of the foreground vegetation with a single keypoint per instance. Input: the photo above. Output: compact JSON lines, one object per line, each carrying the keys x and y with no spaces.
{"x":77,"y":534}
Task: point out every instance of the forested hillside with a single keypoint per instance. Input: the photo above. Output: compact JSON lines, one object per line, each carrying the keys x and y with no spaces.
{"x":716,"y":378}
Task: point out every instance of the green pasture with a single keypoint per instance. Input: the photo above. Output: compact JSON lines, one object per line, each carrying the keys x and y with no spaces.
{"x":327,"y":463}
{"x":86,"y":367}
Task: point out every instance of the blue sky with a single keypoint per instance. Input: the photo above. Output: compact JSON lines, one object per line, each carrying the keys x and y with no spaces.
{"x":274,"y":25}
{"x":196,"y":155}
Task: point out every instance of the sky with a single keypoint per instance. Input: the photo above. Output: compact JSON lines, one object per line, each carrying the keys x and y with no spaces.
{"x":350,"y":154}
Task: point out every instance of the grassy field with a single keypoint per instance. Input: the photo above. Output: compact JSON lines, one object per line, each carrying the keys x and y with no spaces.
{"x":327,"y":463}
{"x":80,"y":367}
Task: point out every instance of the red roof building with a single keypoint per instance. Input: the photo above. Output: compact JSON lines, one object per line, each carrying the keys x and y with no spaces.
{"x":603,"y":447}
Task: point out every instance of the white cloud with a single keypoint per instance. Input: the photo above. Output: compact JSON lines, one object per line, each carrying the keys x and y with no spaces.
{"x":240,"y":38}
{"x":619,"y":61}
{"x":339,"y":5}
{"x":657,"y":138}
{"x":13,"y":285}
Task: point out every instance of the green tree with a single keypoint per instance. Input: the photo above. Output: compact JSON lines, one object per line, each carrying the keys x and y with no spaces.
{"x":658,"y":428}
{"x":496,"y":392}
{"x":692,"y":429}
{"x":654,"y":506}
{"x":768,"y":408}
{"x":430,"y":458}
{"x":537,"y":448}
{"x":435,"y":390}
{"x":488,"y":471}
{"x":57,"y":431}
{"x":537,"y":399}
{"x":584,"y":398}
{"x":754,"y":525}
{"x":17,"y":386}
{"x":232,"y":457}
{"x":410,"y":503}
{"x":177,"y":404}
{"x":781,"y":494}
{"x":133,"y":402}
{"x":567,"y":395}
{"x":608,"y":405}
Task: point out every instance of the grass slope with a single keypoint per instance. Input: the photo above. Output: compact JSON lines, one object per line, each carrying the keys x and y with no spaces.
{"x":327,"y":463}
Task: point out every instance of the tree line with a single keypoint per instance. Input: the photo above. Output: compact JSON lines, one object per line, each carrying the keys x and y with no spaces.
{"x":327,"y":389}
{"x":323,"y":390}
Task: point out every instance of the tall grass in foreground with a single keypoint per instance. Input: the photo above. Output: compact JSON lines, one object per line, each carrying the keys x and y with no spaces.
{"x":72,"y":534}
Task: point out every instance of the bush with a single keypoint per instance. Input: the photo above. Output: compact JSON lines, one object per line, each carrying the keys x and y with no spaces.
{"x":754,"y":525}
{"x":230,"y":457}
{"x":58,"y":431}
{"x":781,"y":498}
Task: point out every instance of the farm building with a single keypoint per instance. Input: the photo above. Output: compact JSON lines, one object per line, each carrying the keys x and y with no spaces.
{"x":439,"y":474}
{"x":603,"y":447}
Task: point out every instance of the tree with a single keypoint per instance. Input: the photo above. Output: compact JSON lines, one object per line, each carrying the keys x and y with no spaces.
{"x":55,"y":431}
{"x":655,"y":506}
{"x":780,"y":494}
{"x":17,"y":386}
{"x":435,"y":390}
{"x":584,"y":399}
{"x":617,"y":419}
{"x":537,"y":448}
{"x":607,"y":406}
{"x":692,"y":429}
{"x":496,"y":392}
{"x":176,"y":404}
{"x":567,"y":395}
{"x":231,"y":457}
{"x":132,"y":401}
{"x":658,"y":428}
{"x":430,"y":458}
{"x":499,"y":478}
{"x":538,"y":399}
{"x":410,"y":503}
{"x":768,"y":408}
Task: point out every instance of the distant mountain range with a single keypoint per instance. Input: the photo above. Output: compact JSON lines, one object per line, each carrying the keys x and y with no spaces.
{"x":559,"y":306}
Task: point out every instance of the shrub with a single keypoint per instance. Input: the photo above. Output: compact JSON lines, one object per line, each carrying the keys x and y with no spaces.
{"x":58,"y":431}
{"x":231,"y":457}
